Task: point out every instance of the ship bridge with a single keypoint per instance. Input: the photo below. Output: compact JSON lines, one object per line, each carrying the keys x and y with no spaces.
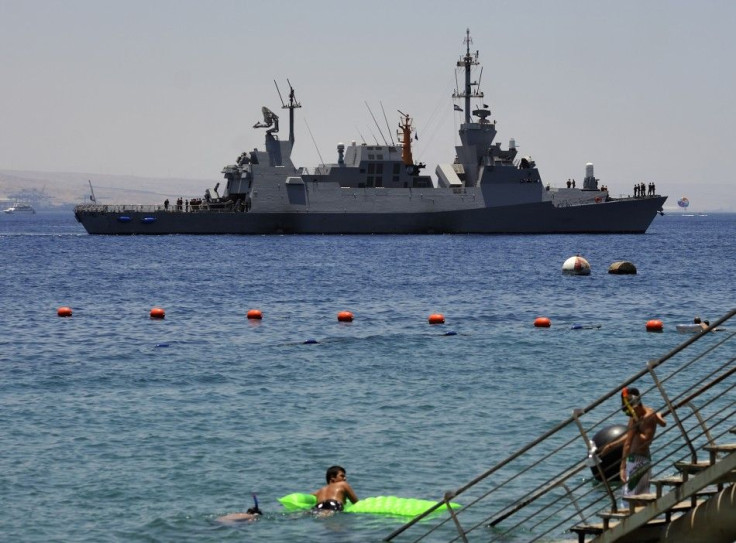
{"x":368,"y":166}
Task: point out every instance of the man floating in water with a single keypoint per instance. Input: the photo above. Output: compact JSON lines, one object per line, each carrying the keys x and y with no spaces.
{"x":249,"y":516}
{"x":331,"y":497}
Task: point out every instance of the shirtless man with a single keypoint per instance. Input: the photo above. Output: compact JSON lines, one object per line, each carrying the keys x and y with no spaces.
{"x":702,"y":324}
{"x":331,"y":497}
{"x":635,"y":458}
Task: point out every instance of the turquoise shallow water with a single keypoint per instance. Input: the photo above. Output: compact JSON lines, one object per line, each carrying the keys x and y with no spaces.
{"x":118,"y":427}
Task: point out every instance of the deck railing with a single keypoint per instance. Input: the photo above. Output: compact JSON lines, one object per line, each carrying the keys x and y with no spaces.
{"x":133,"y":208}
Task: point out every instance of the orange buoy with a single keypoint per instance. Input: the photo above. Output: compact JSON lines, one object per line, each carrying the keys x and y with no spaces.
{"x":255,"y":314}
{"x":436,"y":318}
{"x":345,"y":316}
{"x":64,"y":311}
{"x":157,"y":313}
{"x":542,"y":322}
{"x":654,"y":325}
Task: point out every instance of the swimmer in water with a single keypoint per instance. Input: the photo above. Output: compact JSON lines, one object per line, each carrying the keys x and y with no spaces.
{"x":331,"y":497}
{"x":249,"y":516}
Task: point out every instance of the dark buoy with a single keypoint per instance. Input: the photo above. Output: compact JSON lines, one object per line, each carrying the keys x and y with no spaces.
{"x":310,"y":341}
{"x":611,"y":461}
{"x":450,"y":333}
{"x":622,"y":267}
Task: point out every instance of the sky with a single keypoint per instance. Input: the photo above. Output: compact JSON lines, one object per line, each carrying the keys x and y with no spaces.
{"x":171,"y":88}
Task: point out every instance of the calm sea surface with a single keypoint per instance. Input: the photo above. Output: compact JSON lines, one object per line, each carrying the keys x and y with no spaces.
{"x":116,"y":427}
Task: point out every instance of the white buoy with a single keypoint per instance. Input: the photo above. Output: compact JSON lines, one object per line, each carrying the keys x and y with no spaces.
{"x":576,"y":265}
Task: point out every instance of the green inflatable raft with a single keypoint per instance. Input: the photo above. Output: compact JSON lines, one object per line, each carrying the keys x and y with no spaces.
{"x":377,"y":505}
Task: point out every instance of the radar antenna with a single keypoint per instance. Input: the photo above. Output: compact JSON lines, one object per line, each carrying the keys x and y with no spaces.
{"x":270,"y":121}
{"x":388,"y":128}
{"x":376,"y":123}
{"x":91,"y":191}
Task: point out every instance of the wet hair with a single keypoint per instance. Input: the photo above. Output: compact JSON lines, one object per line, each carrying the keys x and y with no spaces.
{"x":332,"y":472}
{"x":696,"y":320}
{"x":254,"y":511}
{"x":707,"y":323}
{"x":630,"y":396}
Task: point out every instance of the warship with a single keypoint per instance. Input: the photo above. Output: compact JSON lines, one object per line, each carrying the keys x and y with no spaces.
{"x":380,"y":189}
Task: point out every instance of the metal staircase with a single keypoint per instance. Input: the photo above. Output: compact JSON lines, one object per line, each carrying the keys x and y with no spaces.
{"x":553,"y":490}
{"x":643,"y":520}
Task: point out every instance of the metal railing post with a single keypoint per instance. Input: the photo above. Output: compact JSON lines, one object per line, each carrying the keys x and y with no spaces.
{"x":448,"y":496}
{"x":574,"y":501}
{"x":592,"y":454}
{"x":672,"y":410}
{"x":706,"y":432}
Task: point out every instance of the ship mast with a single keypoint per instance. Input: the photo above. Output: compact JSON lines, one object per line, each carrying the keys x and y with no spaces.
{"x":405,"y":140}
{"x":467,"y":62}
{"x":291,"y":106}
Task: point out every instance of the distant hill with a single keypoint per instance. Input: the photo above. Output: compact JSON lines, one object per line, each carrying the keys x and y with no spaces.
{"x":63,"y":189}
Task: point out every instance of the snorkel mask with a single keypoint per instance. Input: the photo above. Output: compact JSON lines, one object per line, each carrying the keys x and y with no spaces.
{"x":629,"y":399}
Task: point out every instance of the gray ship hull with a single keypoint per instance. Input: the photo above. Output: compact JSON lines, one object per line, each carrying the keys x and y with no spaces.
{"x":626,"y":216}
{"x":379,"y":189}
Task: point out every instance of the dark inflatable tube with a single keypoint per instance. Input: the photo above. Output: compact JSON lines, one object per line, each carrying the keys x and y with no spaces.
{"x":585,"y":326}
{"x":611,"y":461}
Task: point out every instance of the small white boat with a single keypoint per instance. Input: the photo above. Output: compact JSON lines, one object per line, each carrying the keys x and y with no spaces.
{"x":688,"y":328}
{"x":693,"y":328}
{"x":22,"y":209}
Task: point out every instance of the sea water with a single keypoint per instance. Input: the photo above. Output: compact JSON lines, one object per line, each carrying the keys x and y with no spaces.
{"x":117,"y":427}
